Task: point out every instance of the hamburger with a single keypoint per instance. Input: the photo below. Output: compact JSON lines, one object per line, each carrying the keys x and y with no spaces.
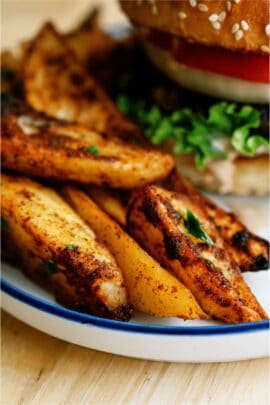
{"x":216,"y":53}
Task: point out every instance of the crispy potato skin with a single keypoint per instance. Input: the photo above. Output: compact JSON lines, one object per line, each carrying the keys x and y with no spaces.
{"x":249,"y":251}
{"x":154,"y":220}
{"x":151,"y":289}
{"x":37,"y":146}
{"x":93,"y":47}
{"x":57,"y":84}
{"x":42,"y":227}
{"x":91,"y":43}
{"x":110,"y":202}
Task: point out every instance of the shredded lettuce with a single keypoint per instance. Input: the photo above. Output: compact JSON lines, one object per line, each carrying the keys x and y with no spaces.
{"x":195,"y":133}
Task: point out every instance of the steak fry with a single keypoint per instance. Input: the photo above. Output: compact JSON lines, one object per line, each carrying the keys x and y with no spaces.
{"x":57,"y":84}
{"x":177,"y":233}
{"x":56,"y":246}
{"x":35,"y":145}
{"x":249,"y":251}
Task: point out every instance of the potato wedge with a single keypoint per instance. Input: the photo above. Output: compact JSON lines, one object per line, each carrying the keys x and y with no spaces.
{"x":89,"y":22}
{"x":151,"y":289}
{"x":51,"y":238}
{"x":57,"y":84}
{"x":94,"y":48}
{"x":110,"y":202}
{"x":90,"y":43}
{"x":176,"y":232}
{"x":34,"y":145}
{"x":85,"y":40}
{"x":248,"y":250}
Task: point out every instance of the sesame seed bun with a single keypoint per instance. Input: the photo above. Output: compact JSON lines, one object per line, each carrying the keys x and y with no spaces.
{"x":239,"y":25}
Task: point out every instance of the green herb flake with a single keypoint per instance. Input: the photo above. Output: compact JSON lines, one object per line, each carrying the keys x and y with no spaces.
{"x":93,"y":150}
{"x":124,"y":104}
{"x":70,"y":246}
{"x":50,"y":266}
{"x":4,"y":223}
{"x":194,"y":228}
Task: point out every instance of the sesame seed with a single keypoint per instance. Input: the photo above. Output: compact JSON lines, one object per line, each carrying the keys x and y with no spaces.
{"x":193,"y":3}
{"x":182,"y":15}
{"x":237,"y":1}
{"x":229,"y":5}
{"x":265,"y":48}
{"x":235,"y":28}
{"x":213,"y":17}
{"x":244,"y":25}
{"x":202,"y":7}
{"x":238,"y":35}
{"x":216,"y":25}
{"x":222,"y":16}
{"x":267,"y":30}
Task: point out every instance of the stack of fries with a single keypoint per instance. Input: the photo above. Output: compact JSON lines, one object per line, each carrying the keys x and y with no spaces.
{"x":107,"y":224}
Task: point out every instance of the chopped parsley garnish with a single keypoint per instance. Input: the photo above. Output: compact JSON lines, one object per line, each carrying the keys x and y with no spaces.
{"x":92,"y":149}
{"x":194,"y":228}
{"x":4,"y":223}
{"x":192,"y":132}
{"x":70,"y":246}
{"x":50,"y":266}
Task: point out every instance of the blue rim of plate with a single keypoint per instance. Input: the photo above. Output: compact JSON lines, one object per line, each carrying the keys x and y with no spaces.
{"x":81,"y":318}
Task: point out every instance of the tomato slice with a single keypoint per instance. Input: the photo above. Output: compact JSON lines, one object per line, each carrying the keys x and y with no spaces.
{"x":246,"y":66}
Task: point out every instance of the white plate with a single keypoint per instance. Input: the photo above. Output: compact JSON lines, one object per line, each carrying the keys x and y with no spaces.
{"x":146,"y":337}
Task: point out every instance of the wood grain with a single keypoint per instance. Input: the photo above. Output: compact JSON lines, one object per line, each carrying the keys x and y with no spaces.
{"x":40,"y":370}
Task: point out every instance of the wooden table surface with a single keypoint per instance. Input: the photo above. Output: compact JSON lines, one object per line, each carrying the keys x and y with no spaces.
{"x":40,"y":370}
